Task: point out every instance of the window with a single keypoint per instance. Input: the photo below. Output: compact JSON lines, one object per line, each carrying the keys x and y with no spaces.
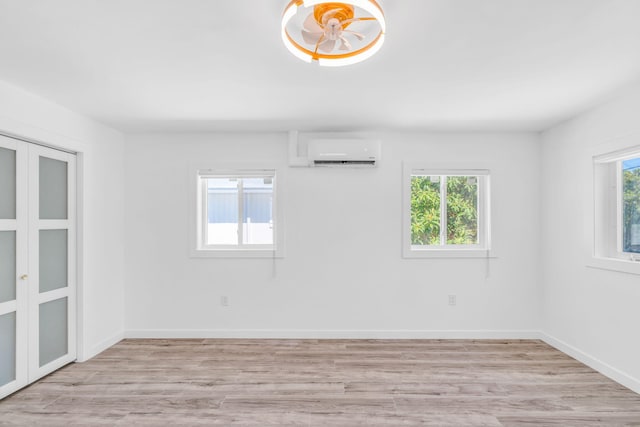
{"x":617,"y":205}
{"x":446,"y":213}
{"x":630,"y":205}
{"x":237,"y":213}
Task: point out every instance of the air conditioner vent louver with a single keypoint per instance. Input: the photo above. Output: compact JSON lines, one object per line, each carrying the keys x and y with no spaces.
{"x":344,"y":153}
{"x":344,"y":162}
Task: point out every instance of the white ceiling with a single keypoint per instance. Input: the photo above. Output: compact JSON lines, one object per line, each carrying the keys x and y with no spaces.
{"x":193,"y":65}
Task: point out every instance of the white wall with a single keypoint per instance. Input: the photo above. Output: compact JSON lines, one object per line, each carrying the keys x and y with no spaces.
{"x":343,"y":274}
{"x":592,"y":314}
{"x":101,"y":276}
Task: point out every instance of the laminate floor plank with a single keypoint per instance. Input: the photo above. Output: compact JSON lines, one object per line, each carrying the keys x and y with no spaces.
{"x":244,"y":382}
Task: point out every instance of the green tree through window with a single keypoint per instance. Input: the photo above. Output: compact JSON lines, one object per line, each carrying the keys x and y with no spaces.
{"x":462,"y":210}
{"x":461,"y":206}
{"x":631,"y":206}
{"x":425,"y":210}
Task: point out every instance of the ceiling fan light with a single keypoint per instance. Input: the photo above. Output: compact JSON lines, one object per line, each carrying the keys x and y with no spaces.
{"x":325,"y":57}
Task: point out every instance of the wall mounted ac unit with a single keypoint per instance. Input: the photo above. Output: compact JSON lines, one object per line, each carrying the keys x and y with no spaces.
{"x":344,"y":152}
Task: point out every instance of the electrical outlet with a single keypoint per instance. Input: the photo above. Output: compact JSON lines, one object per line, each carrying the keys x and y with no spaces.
{"x":452,"y":300}
{"x":224,"y":301}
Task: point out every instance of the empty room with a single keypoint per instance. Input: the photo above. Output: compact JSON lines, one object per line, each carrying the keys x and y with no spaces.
{"x":319,"y":213}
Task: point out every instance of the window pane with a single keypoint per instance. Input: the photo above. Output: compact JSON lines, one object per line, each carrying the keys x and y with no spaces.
{"x":462,"y":210}
{"x":425,"y":210}
{"x":257,"y":218}
{"x":222,"y":211}
{"x":631,"y":205}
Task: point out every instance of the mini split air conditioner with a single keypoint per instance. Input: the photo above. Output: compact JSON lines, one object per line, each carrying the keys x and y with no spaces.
{"x":344,"y":153}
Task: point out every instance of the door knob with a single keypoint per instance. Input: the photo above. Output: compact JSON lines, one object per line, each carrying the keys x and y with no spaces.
{"x":24,"y":277}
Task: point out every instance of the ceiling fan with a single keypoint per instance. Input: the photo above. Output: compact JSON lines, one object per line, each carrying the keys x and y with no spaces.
{"x":325,"y":34}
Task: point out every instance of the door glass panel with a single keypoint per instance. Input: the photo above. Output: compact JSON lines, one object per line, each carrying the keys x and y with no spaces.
{"x":7,"y":266}
{"x":7,"y":348}
{"x":53,"y":330}
{"x":53,"y":189}
{"x":7,"y":183}
{"x":53,"y":260}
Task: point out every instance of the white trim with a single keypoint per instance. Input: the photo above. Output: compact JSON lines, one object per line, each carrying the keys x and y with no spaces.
{"x":241,"y":214}
{"x":8,"y":307}
{"x":444,"y":220}
{"x":35,"y":141}
{"x":614,"y":264}
{"x":333,"y":334}
{"x":593,"y":362}
{"x":618,"y":155}
{"x":295,"y":160}
{"x":81,"y":338}
{"x":236,"y":253}
{"x":452,"y":171}
{"x":41,"y":371}
{"x":9,"y":388}
{"x":100,"y":347}
{"x":449,"y":253}
{"x":45,"y":297}
{"x":619,"y":202}
{"x":8,"y":224}
{"x":55,"y":224}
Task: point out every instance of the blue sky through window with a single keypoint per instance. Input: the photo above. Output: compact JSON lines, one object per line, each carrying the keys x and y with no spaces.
{"x":631,"y":164}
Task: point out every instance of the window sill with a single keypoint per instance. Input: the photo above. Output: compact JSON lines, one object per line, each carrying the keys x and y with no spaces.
{"x":236,"y":253}
{"x":614,"y":264}
{"x":448,"y":253}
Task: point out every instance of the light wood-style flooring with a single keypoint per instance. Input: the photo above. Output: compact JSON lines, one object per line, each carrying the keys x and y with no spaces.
{"x":325,"y":383}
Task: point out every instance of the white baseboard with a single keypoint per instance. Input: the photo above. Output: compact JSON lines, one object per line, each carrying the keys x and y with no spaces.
{"x":332,"y":334}
{"x":594,"y":363}
{"x":100,"y":347}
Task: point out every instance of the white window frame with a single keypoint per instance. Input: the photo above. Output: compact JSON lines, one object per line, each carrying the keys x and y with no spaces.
{"x":198,"y":241}
{"x":480,"y":250}
{"x":606,"y":251}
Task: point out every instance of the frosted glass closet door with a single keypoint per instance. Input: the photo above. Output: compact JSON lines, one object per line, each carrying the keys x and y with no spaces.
{"x":52,"y":328}
{"x":13,"y":265}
